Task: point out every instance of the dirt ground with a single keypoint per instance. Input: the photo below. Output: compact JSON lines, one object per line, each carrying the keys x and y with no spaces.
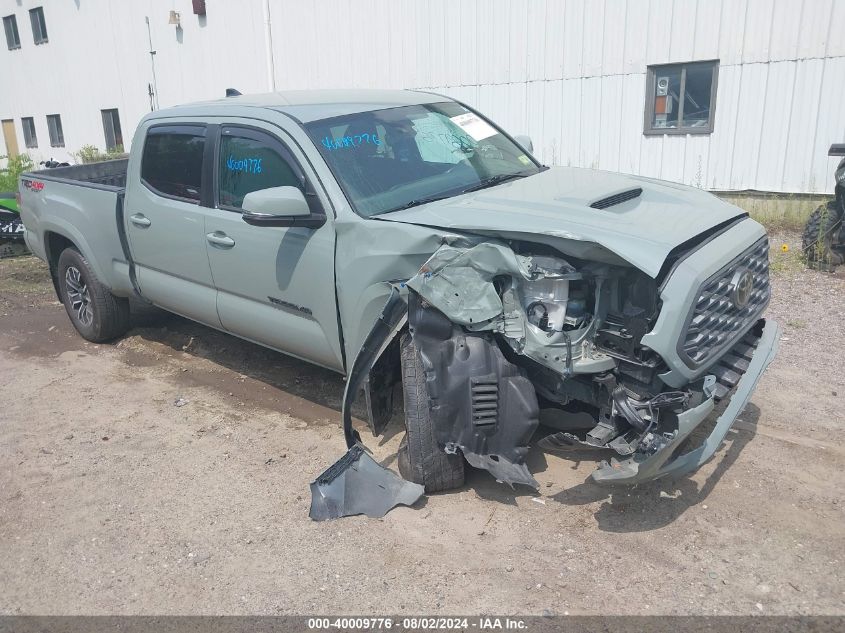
{"x":113,"y":500}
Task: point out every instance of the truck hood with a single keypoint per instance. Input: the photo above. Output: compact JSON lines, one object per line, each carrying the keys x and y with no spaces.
{"x":556,"y":204}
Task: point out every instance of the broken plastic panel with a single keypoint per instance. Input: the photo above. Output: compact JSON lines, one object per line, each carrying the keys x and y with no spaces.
{"x":356,"y":484}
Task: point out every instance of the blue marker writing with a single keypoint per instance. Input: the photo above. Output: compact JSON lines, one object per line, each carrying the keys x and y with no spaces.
{"x":247,"y":165}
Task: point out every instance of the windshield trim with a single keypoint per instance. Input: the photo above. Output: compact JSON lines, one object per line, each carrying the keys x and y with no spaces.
{"x":445,"y":194}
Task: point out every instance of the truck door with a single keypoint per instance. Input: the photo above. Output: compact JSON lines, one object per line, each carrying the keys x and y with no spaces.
{"x":166,"y":224}
{"x":275,"y":285}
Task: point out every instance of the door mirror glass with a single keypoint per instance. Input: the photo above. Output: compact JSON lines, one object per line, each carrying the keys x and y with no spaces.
{"x":276,"y":201}
{"x":525,"y":141}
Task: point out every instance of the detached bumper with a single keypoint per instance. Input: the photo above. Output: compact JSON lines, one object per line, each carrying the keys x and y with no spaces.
{"x":639,"y":469}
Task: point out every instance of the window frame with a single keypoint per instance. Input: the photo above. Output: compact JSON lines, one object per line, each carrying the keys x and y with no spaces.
{"x":113,"y":116}
{"x":29,"y":141}
{"x":59,"y":129}
{"x":13,"y":21}
{"x":185,"y":129}
{"x":651,"y":85}
{"x":37,"y":13}
{"x":273,"y":141}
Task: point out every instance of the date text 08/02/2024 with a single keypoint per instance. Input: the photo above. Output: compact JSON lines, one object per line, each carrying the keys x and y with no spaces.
{"x":484,"y":623}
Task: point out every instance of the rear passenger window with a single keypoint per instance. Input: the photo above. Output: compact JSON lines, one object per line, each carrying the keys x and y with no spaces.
{"x":250,"y":162}
{"x":172,"y":161}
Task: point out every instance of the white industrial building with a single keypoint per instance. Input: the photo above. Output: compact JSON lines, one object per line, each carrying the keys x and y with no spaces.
{"x":721,"y":94}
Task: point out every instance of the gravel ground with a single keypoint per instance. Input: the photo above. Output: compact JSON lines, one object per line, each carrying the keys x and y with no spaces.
{"x":115,"y":501}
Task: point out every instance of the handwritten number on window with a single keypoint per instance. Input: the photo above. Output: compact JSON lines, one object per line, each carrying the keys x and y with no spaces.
{"x":247,"y":165}
{"x":353,"y":141}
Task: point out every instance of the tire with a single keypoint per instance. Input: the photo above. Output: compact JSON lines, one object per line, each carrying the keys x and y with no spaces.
{"x":819,"y":240}
{"x":95,"y":312}
{"x":420,"y":458}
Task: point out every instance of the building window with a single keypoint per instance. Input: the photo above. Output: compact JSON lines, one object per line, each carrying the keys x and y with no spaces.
{"x":13,"y":38}
{"x":29,"y":138}
{"x":681,"y":98}
{"x":39,"y":26}
{"x":54,"y":126}
{"x":111,"y":128}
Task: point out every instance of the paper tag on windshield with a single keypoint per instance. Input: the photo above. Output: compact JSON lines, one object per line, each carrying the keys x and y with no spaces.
{"x":474,"y":126}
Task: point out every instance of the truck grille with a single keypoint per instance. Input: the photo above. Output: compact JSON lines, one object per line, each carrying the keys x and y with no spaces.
{"x":728,"y":304}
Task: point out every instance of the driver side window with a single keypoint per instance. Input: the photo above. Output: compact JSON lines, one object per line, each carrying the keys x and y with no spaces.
{"x":249,"y":162}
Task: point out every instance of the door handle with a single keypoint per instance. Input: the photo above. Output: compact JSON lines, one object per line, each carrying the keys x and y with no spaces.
{"x":219,"y":238}
{"x":140,"y":220}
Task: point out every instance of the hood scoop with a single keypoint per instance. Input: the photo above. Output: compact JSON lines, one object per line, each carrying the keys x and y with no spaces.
{"x":617,"y":198}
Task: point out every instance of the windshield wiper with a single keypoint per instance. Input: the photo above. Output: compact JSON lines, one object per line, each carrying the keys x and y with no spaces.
{"x":418,"y":201}
{"x":492,"y":181}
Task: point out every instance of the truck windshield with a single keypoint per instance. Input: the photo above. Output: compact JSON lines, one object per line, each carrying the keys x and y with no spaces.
{"x":392,"y":159}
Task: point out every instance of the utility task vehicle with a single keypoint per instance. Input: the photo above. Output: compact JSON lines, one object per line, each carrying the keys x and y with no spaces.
{"x":824,"y":235}
{"x":11,"y":227}
{"x":403,"y":236}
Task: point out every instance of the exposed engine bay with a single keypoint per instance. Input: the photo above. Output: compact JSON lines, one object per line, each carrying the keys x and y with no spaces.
{"x":529,"y":329}
{"x":509,"y":335}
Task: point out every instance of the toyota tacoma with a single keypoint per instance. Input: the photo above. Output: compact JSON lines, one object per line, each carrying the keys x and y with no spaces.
{"x":402,"y":236}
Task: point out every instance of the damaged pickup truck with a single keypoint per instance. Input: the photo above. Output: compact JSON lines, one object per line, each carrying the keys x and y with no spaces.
{"x":616,"y":310}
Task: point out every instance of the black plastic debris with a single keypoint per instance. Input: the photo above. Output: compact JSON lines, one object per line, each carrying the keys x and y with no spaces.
{"x":356,"y":484}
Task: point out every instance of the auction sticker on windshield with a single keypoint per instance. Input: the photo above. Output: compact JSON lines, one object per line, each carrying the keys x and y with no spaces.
{"x":474,"y":125}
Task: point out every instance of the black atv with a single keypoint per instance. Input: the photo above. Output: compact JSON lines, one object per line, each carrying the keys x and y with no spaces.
{"x":11,"y":227}
{"x":824,"y":236}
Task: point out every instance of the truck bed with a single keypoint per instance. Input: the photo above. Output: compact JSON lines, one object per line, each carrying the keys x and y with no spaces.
{"x":84,"y":204}
{"x":110,"y":174}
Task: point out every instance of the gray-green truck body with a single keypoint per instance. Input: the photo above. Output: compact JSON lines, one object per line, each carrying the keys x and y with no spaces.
{"x":618,"y":309}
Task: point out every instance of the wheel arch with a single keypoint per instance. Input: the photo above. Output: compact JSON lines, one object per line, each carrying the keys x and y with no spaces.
{"x":54,"y":244}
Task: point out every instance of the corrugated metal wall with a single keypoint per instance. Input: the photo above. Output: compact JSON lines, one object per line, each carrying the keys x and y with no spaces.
{"x":572,"y":74}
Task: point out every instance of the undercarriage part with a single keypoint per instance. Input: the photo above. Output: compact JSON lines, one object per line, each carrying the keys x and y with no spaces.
{"x":624,"y":429}
{"x":356,"y":484}
{"x":563,"y":420}
{"x":624,"y":407}
{"x":480,"y":402}
{"x":652,"y":461}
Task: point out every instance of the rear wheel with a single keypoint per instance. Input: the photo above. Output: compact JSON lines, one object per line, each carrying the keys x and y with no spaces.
{"x":819,"y":241}
{"x":421,"y":459}
{"x":95,"y":312}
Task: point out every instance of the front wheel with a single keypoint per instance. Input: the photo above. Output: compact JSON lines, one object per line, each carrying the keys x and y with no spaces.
{"x":95,"y":312}
{"x":420,"y":458}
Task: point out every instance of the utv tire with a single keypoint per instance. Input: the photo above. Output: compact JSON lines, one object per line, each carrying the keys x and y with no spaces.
{"x":95,"y":312}
{"x":421,"y":459}
{"x":819,"y":240}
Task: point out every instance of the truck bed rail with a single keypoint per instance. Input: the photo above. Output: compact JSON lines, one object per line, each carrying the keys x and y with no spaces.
{"x":110,"y":174}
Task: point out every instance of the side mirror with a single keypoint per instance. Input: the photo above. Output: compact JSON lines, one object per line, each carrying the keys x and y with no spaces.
{"x":525,"y":141}
{"x":287,"y":201}
{"x":279,"y":206}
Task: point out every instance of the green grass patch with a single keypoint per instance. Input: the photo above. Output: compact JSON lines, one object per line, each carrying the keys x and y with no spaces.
{"x":792,"y":219}
{"x":777,"y":212}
